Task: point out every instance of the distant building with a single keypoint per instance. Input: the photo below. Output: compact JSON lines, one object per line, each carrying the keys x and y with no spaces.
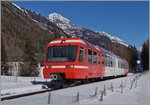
{"x":14,"y":68}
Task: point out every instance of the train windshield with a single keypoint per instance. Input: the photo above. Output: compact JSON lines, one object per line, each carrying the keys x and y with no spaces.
{"x":62,"y":53}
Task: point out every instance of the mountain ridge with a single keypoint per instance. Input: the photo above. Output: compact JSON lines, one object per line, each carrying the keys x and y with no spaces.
{"x":69,"y":26}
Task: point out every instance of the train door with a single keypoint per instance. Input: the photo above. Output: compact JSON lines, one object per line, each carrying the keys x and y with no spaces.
{"x":98,"y":64}
{"x":89,"y":61}
{"x":103,"y":60}
{"x":113,"y":64}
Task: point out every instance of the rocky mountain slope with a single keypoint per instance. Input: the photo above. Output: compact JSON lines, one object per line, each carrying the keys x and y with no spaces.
{"x":19,"y":23}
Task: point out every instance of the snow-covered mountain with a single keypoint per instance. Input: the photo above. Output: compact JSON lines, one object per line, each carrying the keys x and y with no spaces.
{"x":64,"y":23}
{"x":61,"y":21}
{"x":72,"y":29}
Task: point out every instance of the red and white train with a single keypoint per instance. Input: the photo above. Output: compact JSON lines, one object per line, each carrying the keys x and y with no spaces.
{"x":77,"y":59}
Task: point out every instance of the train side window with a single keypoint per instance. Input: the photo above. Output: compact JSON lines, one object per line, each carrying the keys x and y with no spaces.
{"x":108,"y":61}
{"x":81,"y":54}
{"x":119,"y":64}
{"x":111,"y":62}
{"x":114,"y":62}
{"x":98,"y":60}
{"x":95,"y":58}
{"x":85,"y":55}
{"x":103,"y":59}
{"x":89,"y":56}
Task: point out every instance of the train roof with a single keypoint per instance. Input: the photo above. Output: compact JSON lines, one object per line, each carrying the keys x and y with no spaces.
{"x":74,"y":40}
{"x":106,"y":51}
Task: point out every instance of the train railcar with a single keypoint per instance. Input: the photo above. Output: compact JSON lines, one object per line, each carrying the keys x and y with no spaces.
{"x":77,"y":59}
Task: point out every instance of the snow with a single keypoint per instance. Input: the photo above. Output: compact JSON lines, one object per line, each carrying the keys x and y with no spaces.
{"x":114,"y":38}
{"x":43,"y":26}
{"x":130,"y":74}
{"x":17,"y":6}
{"x":54,"y":16}
{"x":62,"y":22}
{"x":19,"y":90}
{"x":139,"y":94}
{"x":10,"y":86}
{"x":23,"y":10}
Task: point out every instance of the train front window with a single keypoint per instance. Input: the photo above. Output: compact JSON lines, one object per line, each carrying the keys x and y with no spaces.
{"x":81,"y":54}
{"x":62,"y":53}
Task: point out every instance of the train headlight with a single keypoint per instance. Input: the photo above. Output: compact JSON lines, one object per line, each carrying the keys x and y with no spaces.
{"x":48,"y":66}
{"x":69,"y":66}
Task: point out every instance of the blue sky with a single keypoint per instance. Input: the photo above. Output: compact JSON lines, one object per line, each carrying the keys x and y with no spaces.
{"x":126,"y":20}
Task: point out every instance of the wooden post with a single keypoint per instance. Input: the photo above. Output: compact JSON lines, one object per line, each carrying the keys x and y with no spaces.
{"x":16,"y":78}
{"x":95,"y":91}
{"x":104,"y":90}
{"x":16,"y":64}
{"x":135,"y":83}
{"x":78,"y":97}
{"x":131,"y":84}
{"x":112,"y":88}
{"x":49,"y":98}
{"x":101,"y":98}
{"x":121,"y":84}
{"x":125,"y":83}
{"x":34,"y":79}
{"x":121,"y":88}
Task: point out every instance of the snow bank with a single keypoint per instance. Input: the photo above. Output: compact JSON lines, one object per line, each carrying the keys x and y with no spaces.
{"x":21,"y":90}
{"x":16,"y":85}
{"x":130,"y":74}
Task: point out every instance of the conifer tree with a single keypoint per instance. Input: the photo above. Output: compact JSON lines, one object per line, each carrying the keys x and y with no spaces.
{"x":30,"y":66}
{"x":145,"y":55}
{"x":4,"y":65}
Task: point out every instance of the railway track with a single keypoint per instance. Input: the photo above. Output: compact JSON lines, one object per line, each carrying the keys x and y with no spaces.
{"x":8,"y":97}
{"x":53,"y":88}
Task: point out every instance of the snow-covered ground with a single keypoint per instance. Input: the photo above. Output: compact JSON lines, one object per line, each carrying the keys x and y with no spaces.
{"x":84,"y":94}
{"x":15,"y":85}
